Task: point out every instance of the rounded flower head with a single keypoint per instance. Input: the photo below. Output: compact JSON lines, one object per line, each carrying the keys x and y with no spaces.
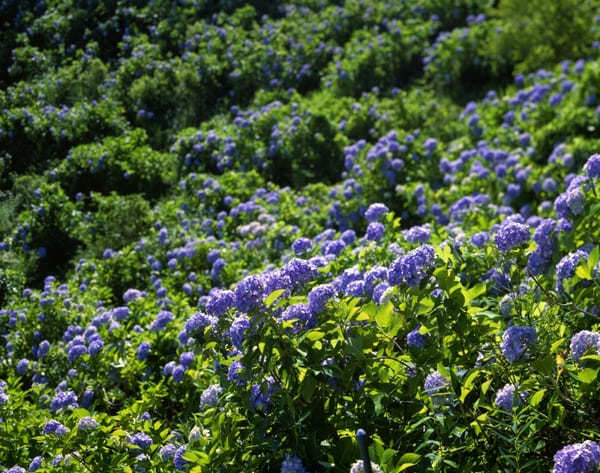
{"x":301,"y":245}
{"x":178,"y":460}
{"x":506,"y":396}
{"x":375,"y":231}
{"x":434,"y":383}
{"x":415,"y":339}
{"x":219,"y":302}
{"x":54,"y":427}
{"x":141,"y":440}
{"x":35,"y":464}
{"x":318,"y":297}
{"x":248,"y":293}
{"x":510,"y":235}
{"x":87,"y":423}
{"x":584,"y":341}
{"x":577,"y":458}
{"x":592,"y":166}
{"x":376,"y":211}
{"x":210,"y":396}
{"x":292,"y":464}
{"x":410,"y":268}
{"x":516,"y":340}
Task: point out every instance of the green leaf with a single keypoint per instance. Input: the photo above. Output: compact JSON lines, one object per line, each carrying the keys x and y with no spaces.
{"x":537,"y":397}
{"x":583,"y":272}
{"x":384,"y":314}
{"x":588,"y":375}
{"x":314,"y":335}
{"x":273,"y":297}
{"x":409,"y":458}
{"x":308,"y":387}
{"x":485,"y":386}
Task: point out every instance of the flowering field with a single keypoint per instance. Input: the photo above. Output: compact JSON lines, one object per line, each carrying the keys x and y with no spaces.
{"x":234,"y":233}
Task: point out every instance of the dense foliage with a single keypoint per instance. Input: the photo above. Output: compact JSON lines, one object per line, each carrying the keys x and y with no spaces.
{"x":233,"y":233}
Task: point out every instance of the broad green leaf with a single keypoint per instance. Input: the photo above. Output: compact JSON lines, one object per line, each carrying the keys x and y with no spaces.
{"x":273,"y":297}
{"x":587,"y":375}
{"x":537,"y":397}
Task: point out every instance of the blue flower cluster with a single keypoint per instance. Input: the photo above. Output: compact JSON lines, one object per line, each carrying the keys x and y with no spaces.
{"x":577,"y":458}
{"x":583,"y":341}
{"x":411,"y":268}
{"x":515,"y":342}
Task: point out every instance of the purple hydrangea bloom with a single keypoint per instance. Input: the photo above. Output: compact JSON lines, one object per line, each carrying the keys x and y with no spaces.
{"x":566,"y":267}
{"x":178,"y":373}
{"x":210,"y":396}
{"x":302,"y":245}
{"x":260,"y":396}
{"x":434,"y":383}
{"x":54,"y":427}
{"x":480,"y":239}
{"x":87,"y":423}
{"x":35,"y":464}
{"x":318,"y":297}
{"x":376,"y":211}
{"x":418,"y":234}
{"x":511,"y":234}
{"x":141,"y":440}
{"x":14,"y":469}
{"x":234,"y":372}
{"x":505,"y":397}
{"x":592,"y":166}
{"x":64,"y":400}
{"x":132,"y":295}
{"x":167,"y":451}
{"x":515,"y":341}
{"x":198,"y":321}
{"x":292,"y":464}
{"x":411,"y":267}
{"x":415,"y":339}
{"x":178,"y":460}
{"x":219,"y":302}
{"x":583,"y":341}
{"x":577,"y":458}
{"x":355,"y":288}
{"x":248,"y":293}
{"x":23,"y":366}
{"x":237,"y":330}
{"x":375,"y":231}
{"x":303,"y":315}
{"x":299,"y":271}
{"x":161,"y":320}
{"x":142,"y":351}
{"x":186,"y":358}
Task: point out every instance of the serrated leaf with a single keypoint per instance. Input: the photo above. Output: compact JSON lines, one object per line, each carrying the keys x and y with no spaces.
{"x":583,"y":272}
{"x":384,"y":314}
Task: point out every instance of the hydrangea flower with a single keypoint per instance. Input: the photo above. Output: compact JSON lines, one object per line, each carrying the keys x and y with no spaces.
{"x":141,"y":440}
{"x":36,"y":464}
{"x":410,"y":268}
{"x":566,"y":267}
{"x":248,"y":293}
{"x":592,"y":166}
{"x":375,"y":231}
{"x":510,"y":235}
{"x":178,"y":459}
{"x":376,"y":211}
{"x":434,"y":383}
{"x":292,"y":464}
{"x":301,"y":245}
{"x":87,"y":423}
{"x":584,"y":341}
{"x":303,"y":315}
{"x":167,"y":451}
{"x":237,"y":330}
{"x":234,"y":372}
{"x":54,"y":427}
{"x":505,"y":397}
{"x":577,"y":458}
{"x":415,"y":339}
{"x":318,"y":297}
{"x":515,"y":341}
{"x":219,"y":302}
{"x":210,"y":396}
{"x":161,"y":320}
{"x":142,"y":351}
